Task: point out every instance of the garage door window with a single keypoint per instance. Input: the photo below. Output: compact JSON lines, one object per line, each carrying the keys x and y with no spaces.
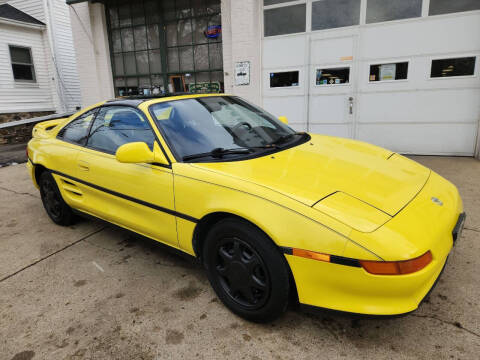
{"x":285,"y":20}
{"x":283,"y":79}
{"x":387,"y":10}
{"x":438,"y":7}
{"x":332,"y":76}
{"x":389,"y":72}
{"x":453,"y":67}
{"x":328,"y":14}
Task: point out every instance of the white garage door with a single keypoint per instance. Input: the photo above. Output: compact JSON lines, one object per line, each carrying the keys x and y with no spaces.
{"x":410,"y":85}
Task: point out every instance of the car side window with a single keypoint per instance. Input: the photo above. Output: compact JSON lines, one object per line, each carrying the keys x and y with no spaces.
{"x":76,"y":131}
{"x":118,"y":125}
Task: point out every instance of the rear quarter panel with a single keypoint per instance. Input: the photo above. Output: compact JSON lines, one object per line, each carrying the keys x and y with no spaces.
{"x":46,"y":150}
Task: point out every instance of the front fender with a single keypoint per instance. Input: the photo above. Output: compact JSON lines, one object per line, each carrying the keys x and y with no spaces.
{"x":199,"y":193}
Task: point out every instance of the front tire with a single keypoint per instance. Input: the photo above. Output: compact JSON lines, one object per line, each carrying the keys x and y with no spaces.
{"x":52,"y":200}
{"x":246,"y":270}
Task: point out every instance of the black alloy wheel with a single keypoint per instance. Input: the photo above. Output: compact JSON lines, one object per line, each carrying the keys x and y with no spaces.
{"x":52,"y":200}
{"x":247,"y":270}
{"x":242,"y":273}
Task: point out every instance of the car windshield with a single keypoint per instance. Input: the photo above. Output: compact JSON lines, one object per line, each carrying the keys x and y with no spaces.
{"x":218,"y":123}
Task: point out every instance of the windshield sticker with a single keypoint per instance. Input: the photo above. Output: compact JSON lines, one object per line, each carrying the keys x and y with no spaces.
{"x":107,"y":118}
{"x":163,"y":114}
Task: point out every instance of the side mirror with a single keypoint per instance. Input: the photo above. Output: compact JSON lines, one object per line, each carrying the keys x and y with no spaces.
{"x":135,"y":152}
{"x":283,"y":119}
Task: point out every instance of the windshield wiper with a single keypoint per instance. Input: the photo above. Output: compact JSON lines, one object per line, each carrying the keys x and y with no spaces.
{"x":219,"y":153}
{"x":285,"y":138}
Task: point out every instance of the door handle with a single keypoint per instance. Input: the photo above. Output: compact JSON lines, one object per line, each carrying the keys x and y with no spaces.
{"x":83,"y":165}
{"x":350,"y":105}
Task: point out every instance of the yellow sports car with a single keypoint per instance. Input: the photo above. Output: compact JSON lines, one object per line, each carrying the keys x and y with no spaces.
{"x":273,"y":214}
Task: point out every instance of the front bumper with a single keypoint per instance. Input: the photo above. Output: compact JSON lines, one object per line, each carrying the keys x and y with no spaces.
{"x":352,"y":289}
{"x":424,"y":225}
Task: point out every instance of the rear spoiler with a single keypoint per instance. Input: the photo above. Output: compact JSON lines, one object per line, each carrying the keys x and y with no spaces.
{"x":42,"y":129}
{"x":58,"y":116}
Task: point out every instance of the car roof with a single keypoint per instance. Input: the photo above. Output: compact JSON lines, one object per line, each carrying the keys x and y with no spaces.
{"x":140,"y":99}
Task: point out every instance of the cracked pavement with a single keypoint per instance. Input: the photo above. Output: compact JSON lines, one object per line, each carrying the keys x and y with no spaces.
{"x":94,"y":291}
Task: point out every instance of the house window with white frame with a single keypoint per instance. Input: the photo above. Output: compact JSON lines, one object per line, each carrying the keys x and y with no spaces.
{"x":22,"y":63}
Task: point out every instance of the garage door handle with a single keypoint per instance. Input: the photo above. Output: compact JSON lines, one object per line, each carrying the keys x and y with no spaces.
{"x":83,"y":166}
{"x":350,"y":105}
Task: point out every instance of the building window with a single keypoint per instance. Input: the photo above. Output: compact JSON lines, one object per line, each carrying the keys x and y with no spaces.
{"x":165,"y":46}
{"x":332,"y":76}
{"x":453,"y":67}
{"x":284,"y":79}
{"x":438,"y":7}
{"x":387,"y":10}
{"x":327,"y":14}
{"x":285,"y":20}
{"x":387,"y":72}
{"x":22,"y":63}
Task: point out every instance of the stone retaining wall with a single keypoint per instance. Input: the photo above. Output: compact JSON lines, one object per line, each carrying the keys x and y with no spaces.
{"x":19,"y":133}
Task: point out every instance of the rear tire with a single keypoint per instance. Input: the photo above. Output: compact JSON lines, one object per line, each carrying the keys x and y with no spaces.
{"x":246,"y":270}
{"x":52,"y":200}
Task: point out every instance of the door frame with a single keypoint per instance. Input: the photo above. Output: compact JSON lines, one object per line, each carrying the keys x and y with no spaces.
{"x":349,"y":60}
{"x":170,"y":81}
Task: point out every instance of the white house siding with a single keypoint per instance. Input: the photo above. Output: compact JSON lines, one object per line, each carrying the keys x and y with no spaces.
{"x":24,"y":97}
{"x":59,"y":39}
{"x":31,"y":7}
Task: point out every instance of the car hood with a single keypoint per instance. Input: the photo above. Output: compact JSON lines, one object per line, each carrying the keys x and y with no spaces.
{"x":325,"y":165}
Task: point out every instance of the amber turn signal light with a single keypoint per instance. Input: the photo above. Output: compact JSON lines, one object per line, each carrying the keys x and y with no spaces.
{"x":397,"y":267}
{"x":311,"y":255}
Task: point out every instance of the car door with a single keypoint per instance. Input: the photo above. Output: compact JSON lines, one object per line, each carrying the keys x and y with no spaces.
{"x":63,"y":152}
{"x":136,"y":196}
